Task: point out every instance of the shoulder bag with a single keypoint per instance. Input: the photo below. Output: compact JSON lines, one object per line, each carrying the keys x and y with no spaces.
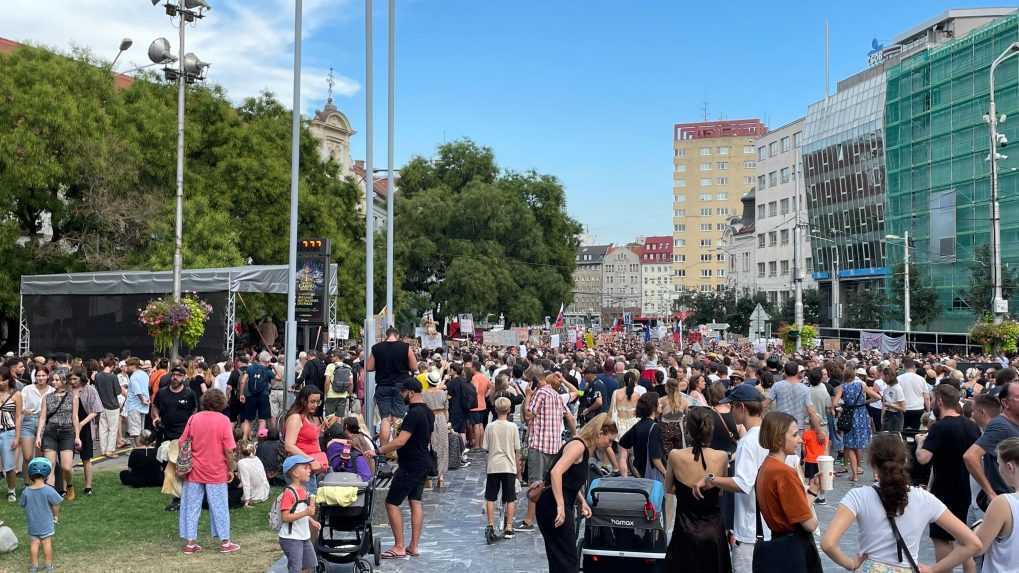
{"x":184,"y":458}
{"x":900,"y":544}
{"x":785,"y":553}
{"x":845,"y":422}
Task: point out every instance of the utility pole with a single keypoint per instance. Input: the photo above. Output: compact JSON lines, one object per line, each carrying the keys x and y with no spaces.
{"x":369,"y":216}
{"x":999,"y":305}
{"x":905,"y":257}
{"x":390,"y":312}
{"x":295,"y":170}
{"x":797,"y":253}
{"x":835,"y":294}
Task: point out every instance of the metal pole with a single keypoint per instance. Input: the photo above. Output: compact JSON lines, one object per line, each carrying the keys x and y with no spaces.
{"x":826,"y":84}
{"x":369,"y":232}
{"x":998,"y":305}
{"x":295,"y":157}
{"x":836,"y":312}
{"x":797,"y":253}
{"x":390,"y":312}
{"x":178,"y":232}
{"x":905,"y":250}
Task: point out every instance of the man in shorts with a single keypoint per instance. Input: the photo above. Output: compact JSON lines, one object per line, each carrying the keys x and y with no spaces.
{"x":392,"y":360}
{"x":136,"y":405}
{"x":256,"y":383}
{"x":545,"y":414}
{"x":411,"y":446}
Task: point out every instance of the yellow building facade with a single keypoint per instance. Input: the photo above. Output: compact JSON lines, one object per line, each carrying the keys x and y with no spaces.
{"x":713,"y":166}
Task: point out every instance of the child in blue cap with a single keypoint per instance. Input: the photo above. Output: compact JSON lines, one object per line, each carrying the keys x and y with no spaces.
{"x":42,"y":510}
{"x":297,"y":509}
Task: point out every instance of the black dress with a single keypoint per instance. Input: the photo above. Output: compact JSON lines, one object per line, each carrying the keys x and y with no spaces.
{"x":561,"y":542}
{"x":698,"y":538}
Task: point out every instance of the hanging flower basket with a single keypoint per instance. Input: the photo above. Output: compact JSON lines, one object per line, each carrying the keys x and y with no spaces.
{"x":166,"y":320}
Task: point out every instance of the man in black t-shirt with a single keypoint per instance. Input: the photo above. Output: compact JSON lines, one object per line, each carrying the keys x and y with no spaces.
{"x":392,"y":360}
{"x":109,"y":421}
{"x":173,"y":405}
{"x":944,"y":444}
{"x":414,"y":458}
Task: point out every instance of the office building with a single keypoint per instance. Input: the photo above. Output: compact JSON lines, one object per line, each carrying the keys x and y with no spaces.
{"x":656,"y":293}
{"x":714,"y":164}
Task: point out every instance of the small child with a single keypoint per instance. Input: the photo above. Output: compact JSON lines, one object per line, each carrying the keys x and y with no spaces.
{"x":502,"y":440}
{"x":295,"y":535}
{"x":814,"y":442}
{"x":254,"y":483}
{"x":42,"y":510}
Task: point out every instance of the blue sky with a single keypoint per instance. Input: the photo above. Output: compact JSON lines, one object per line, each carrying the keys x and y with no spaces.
{"x":587,"y":91}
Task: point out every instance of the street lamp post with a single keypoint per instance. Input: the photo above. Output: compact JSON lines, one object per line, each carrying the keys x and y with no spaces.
{"x":797,"y":254}
{"x":125,"y":45}
{"x":189,"y":69}
{"x":390,"y":313}
{"x":999,"y":304}
{"x":295,"y":169}
{"x":369,"y":228}
{"x":907,"y":320}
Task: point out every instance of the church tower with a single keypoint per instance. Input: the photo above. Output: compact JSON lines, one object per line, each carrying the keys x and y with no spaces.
{"x":332,"y":130}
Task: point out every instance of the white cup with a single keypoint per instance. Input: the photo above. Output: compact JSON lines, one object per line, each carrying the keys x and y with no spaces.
{"x":826,"y":471}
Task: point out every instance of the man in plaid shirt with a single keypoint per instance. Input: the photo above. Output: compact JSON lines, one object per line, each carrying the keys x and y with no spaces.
{"x":545,"y":414}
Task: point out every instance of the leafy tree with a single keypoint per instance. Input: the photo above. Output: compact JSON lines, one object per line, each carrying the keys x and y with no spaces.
{"x":474,"y":239}
{"x":863,"y":307}
{"x":923,"y":299}
{"x":811,"y":308}
{"x":981,"y":285}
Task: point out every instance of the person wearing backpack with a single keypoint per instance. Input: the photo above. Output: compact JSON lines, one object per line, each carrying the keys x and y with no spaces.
{"x":293,"y":515}
{"x":254,"y":395}
{"x":339,"y":387}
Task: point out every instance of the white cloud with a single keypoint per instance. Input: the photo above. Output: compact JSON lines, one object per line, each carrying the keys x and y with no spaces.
{"x":248,"y":42}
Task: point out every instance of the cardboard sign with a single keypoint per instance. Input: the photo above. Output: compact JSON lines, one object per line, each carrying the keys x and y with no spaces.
{"x":555,"y":341}
{"x":500,"y":338}
{"x":430,"y":341}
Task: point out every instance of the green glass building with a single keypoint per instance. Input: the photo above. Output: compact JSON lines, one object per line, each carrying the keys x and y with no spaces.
{"x":938,"y":174}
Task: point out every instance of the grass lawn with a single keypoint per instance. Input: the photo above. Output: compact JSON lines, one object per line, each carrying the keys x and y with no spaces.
{"x":126,"y":529}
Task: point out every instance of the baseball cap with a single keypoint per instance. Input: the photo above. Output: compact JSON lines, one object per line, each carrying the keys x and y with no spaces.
{"x":39,"y":467}
{"x":742,"y":393}
{"x":178,"y":370}
{"x":291,"y":461}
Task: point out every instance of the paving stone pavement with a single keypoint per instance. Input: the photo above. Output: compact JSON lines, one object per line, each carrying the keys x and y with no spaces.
{"x":453,"y":537}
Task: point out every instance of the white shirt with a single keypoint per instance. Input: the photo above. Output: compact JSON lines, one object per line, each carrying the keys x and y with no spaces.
{"x":31,"y":399}
{"x":220,"y":382}
{"x":876,"y":537}
{"x":915,"y":388}
{"x":749,"y":457}
{"x":253,"y":480}
{"x":893,"y":395}
{"x":301,"y":529}
{"x":880,"y":386}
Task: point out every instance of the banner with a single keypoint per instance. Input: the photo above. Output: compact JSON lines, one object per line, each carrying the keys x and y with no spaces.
{"x":882,"y":342}
{"x":500,"y":338}
{"x":467,"y":323}
{"x":340,"y":331}
{"x":430,"y":341}
{"x":522,"y":333}
{"x":555,"y":341}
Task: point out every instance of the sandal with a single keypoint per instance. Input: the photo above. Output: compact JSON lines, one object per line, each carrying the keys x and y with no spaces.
{"x":413,"y":553}
{"x":390,"y":554}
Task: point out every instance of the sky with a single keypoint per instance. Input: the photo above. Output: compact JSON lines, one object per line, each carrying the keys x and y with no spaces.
{"x":587,"y":91}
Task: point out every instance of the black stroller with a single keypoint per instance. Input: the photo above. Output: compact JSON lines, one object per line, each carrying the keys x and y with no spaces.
{"x":346,"y":535}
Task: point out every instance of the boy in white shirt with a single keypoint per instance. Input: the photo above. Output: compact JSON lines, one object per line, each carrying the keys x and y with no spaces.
{"x":502,"y":440}
{"x":297,"y":509}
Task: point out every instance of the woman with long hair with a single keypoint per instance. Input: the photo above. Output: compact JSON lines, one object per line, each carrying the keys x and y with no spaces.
{"x":893,"y":518}
{"x":853,"y":395}
{"x":437,"y":400}
{"x":58,"y":430}
{"x":90,"y":405}
{"x":10,"y":431}
{"x":695,"y":390}
{"x":698,"y":542}
{"x":673,"y":406}
{"x":782,"y":502}
{"x":624,"y":402}
{"x":32,"y":397}
{"x":564,"y":489}
{"x":302,"y":431}
{"x":998,"y":533}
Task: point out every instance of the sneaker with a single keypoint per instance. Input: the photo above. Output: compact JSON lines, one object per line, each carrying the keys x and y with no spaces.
{"x":192,"y":548}
{"x":524,"y":526}
{"x":174,"y":505}
{"x":33,"y":569}
{"x":49,"y":569}
{"x":229,"y":547}
{"x":12,"y":496}
{"x":490,"y":537}
{"x":88,"y":491}
{"x":508,"y":534}
{"x":821,"y":501}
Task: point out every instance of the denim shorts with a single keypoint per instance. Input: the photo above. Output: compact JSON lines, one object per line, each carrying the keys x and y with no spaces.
{"x":29,"y":424}
{"x":389,"y":401}
{"x":7,"y":455}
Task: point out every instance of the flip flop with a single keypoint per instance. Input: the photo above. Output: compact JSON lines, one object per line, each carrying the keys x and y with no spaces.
{"x":390,"y":554}
{"x":413,"y":553}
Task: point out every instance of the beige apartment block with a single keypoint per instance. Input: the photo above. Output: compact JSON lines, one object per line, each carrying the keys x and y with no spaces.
{"x":713,"y":166}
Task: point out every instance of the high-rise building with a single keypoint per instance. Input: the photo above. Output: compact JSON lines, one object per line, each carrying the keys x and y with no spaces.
{"x":656,"y":292}
{"x":779,"y":207}
{"x":714,"y":166}
{"x":843,"y":153}
{"x":938,"y":186}
{"x":621,"y":282}
{"x":587,"y":285}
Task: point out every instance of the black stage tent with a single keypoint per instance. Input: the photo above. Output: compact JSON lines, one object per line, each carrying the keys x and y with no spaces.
{"x":90,"y":314}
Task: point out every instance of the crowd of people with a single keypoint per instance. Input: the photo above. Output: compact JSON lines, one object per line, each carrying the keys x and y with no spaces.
{"x":737,"y":437}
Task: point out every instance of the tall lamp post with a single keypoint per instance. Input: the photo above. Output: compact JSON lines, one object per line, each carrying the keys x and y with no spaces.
{"x":125,"y":45}
{"x":907,"y":320}
{"x":189,"y":70}
{"x":369,"y":227}
{"x":391,"y":87}
{"x":295,"y":170}
{"x":999,"y":304}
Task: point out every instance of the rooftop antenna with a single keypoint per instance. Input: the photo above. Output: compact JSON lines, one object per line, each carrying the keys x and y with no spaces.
{"x":826,"y":57}
{"x":704,"y":110}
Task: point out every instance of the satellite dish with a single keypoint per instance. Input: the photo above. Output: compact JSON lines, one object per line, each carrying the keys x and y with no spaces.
{"x":159,"y":52}
{"x":192,"y":65}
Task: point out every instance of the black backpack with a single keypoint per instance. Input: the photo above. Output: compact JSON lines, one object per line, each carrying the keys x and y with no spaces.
{"x":343,"y":379}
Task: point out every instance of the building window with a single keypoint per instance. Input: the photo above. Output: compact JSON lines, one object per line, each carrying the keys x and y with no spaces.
{"x":719,"y":226}
{"x":723,"y":165}
{"x":721,"y":272}
{"x":681,"y":198}
{"x":761,"y":212}
{"x":681,"y":168}
{"x":748,"y":180}
{"x":772,"y":209}
{"x":706,"y":273}
{"x":680,"y":272}
{"x":784,"y":236}
{"x":746,"y":262}
{"x":705,"y":167}
{"x":785,"y":144}
{"x":679,"y":242}
{"x":810,"y":261}
{"x":773,"y":179}
{"x":773,"y":149}
{"x":760,"y":269}
{"x":681,"y":183}
{"x":721,"y":196}
{"x":722,"y":211}
{"x":679,"y":258}
{"x":705,"y":226}
{"x":784,"y":206}
{"x":785,"y":175}
{"x":706,"y":196}
{"x":705,"y":258}
{"x":720,"y":258}
{"x":749,"y":164}
{"x":748,"y":150}
{"x":785,"y":268}
{"x":705,"y":151}
{"x":706,"y":212}
{"x":705,"y":242}
{"x":723,"y":180}
{"x":679,"y":228}
{"x":681,"y":212}
{"x":772,"y":269}
{"x":796,"y":139}
{"x":762,"y":153}
{"x":760,"y":240}
{"x":772,"y":238}
{"x":723,"y":150}
{"x":762,"y":182}
{"x":706,"y":182}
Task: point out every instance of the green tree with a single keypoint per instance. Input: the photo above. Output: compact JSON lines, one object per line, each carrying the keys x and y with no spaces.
{"x":981,"y":285}
{"x":863,"y":307}
{"x":474,"y":239}
{"x":811,"y":308}
{"x":923,"y":299}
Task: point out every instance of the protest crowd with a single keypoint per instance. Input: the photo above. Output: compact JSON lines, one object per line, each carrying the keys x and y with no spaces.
{"x":744,"y":443}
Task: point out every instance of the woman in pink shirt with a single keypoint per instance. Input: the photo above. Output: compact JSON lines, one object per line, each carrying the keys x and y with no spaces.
{"x":212,"y":462}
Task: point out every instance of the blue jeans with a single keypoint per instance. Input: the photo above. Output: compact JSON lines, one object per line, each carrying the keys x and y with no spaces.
{"x":8,"y":457}
{"x":833,"y":434}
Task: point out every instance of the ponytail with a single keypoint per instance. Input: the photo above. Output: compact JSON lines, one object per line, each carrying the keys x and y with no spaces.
{"x":888,"y":457}
{"x":630,"y":380}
